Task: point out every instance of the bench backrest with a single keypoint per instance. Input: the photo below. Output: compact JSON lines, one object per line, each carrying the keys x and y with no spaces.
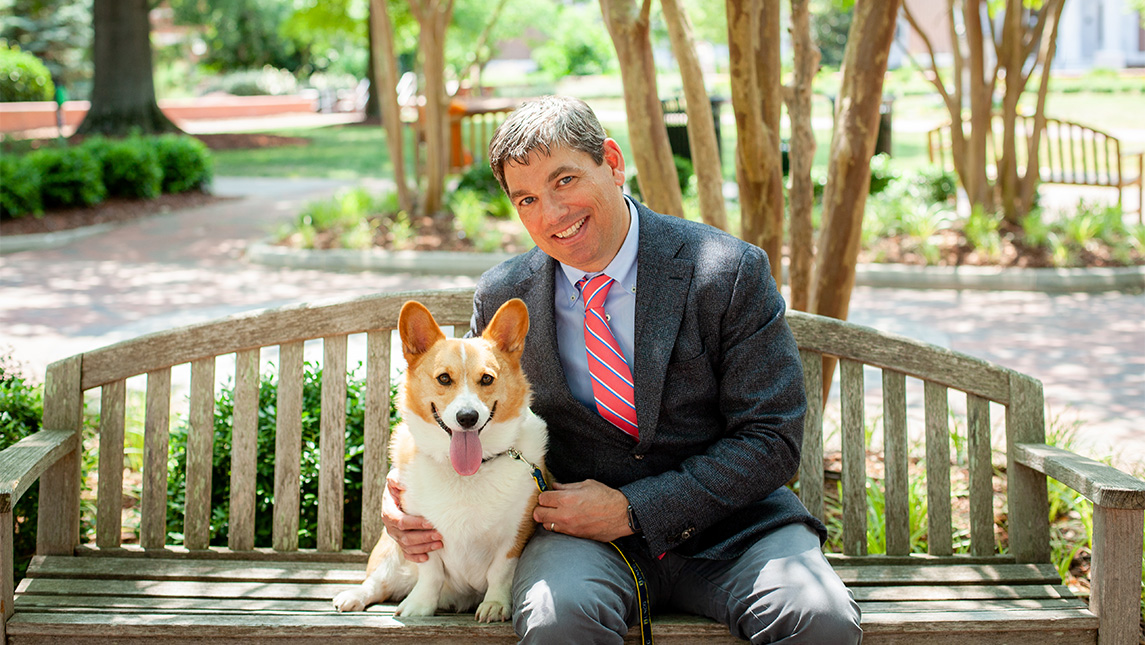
{"x":240,"y":339}
{"x":1068,"y":152}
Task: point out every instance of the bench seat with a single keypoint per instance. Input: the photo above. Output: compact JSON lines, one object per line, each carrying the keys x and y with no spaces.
{"x":141,"y":596}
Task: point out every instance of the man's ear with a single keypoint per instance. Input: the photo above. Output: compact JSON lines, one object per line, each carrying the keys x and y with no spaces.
{"x":509,"y":327}
{"x":418,"y":331}
{"x":615,"y":160}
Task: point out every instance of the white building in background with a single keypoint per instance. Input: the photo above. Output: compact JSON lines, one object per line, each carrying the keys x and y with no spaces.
{"x":1099,"y":34}
{"x":1092,"y":34}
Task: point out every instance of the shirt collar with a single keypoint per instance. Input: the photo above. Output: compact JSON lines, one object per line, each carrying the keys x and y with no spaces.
{"x":623,"y":266}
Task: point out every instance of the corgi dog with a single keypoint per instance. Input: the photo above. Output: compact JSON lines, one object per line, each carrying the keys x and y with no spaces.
{"x":465,"y":455}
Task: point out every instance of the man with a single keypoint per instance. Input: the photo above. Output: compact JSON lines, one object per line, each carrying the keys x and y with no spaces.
{"x":679,"y":450}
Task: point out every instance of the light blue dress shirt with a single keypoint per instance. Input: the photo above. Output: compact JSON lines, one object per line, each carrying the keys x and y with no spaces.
{"x":620,"y":306}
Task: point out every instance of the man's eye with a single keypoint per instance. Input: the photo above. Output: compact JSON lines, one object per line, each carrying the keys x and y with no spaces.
{"x":565,"y":180}
{"x":525,"y":201}
{"x":487,"y":379}
{"x":444,"y":379}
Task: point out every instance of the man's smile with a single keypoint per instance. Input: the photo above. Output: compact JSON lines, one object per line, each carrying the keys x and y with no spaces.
{"x":570,"y":231}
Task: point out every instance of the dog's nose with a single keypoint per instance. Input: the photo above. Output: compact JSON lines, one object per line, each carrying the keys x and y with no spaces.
{"x":467,"y":417}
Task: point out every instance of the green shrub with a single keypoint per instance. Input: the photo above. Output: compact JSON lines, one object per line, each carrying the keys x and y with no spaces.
{"x":882,"y":174}
{"x":130,"y":167}
{"x":20,"y":187}
{"x":21,"y":408}
{"x":23,"y":77}
{"x":186,"y":163}
{"x":264,"y":479}
{"x":935,"y":185}
{"x":70,"y":177}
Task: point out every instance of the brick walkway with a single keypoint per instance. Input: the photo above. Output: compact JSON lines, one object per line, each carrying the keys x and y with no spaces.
{"x":187,"y":267}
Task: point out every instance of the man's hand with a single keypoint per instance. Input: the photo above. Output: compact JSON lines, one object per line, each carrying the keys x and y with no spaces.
{"x":413,"y":533}
{"x":586,"y":509}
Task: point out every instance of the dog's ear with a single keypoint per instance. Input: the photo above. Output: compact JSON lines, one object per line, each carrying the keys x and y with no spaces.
{"x":418,"y":330}
{"x":509,"y":327}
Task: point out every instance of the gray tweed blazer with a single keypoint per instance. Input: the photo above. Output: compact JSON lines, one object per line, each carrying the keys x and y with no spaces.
{"x":719,"y":390}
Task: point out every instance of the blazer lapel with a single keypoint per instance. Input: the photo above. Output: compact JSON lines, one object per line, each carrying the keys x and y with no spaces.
{"x":662,"y":284}
{"x":541,"y":353}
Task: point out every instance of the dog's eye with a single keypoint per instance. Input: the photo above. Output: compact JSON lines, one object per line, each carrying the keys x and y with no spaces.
{"x":487,"y":379}
{"x":444,"y":379}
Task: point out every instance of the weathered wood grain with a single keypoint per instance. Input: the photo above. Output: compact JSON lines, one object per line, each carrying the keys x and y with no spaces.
{"x":244,"y":451}
{"x":1115,"y":572}
{"x":58,"y":521}
{"x":156,"y":439}
{"x":854,"y":459}
{"x":266,"y":328}
{"x":1026,"y":493}
{"x":939,"y":532}
{"x":332,"y":444}
{"x":912,"y":357}
{"x":377,"y":435}
{"x":288,"y":447}
{"x":981,"y":469}
{"x":200,"y":455}
{"x":22,"y":463}
{"x":896,"y":462}
{"x":811,"y":458}
{"x":1102,"y":484}
{"x":109,"y":501}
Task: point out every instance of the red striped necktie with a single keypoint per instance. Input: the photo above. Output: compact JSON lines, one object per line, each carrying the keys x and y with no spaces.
{"x":611,"y":377}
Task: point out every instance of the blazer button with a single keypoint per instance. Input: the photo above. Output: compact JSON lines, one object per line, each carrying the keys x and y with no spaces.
{"x":638,"y":457}
{"x":687,"y":535}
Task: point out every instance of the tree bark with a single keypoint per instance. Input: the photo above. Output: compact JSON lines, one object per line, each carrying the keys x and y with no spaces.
{"x":385,"y":72}
{"x":433,"y":18}
{"x":1047,"y":47}
{"x":701,"y":124}
{"x":123,"y":87}
{"x":849,"y":168}
{"x":802,"y":154}
{"x":753,"y":40}
{"x":628,"y":25}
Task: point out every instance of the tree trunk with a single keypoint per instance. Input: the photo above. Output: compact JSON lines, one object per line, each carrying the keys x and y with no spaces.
{"x":753,"y":40}
{"x":802,"y":154}
{"x":629,"y":28}
{"x":1047,"y":47}
{"x":433,"y":18}
{"x":701,"y":124}
{"x":981,"y":106}
{"x":1011,"y":61}
{"x":849,"y":168}
{"x":123,"y":88}
{"x":374,"y":97}
{"x":385,"y":73}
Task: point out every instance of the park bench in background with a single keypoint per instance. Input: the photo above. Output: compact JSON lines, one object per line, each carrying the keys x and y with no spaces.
{"x":1069,"y":153}
{"x":196,"y":592}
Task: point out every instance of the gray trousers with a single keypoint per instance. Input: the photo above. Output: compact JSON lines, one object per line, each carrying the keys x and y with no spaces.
{"x":782,"y":590}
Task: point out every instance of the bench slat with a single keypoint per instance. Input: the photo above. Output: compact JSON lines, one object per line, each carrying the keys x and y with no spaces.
{"x":377,"y":435}
{"x":332,"y":444}
{"x":288,"y":447}
{"x":811,"y":458}
{"x":244,"y":451}
{"x":896,"y":462}
{"x":938,"y":518}
{"x":109,"y":504}
{"x":200,"y":455}
{"x":981,"y":476}
{"x":854,"y":459}
{"x":156,"y":437}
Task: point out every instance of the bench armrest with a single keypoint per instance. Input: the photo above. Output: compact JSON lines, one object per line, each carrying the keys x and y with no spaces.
{"x":1101,"y":484}
{"x":22,"y":463}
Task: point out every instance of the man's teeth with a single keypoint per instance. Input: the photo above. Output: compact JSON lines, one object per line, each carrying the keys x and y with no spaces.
{"x":568,"y":232}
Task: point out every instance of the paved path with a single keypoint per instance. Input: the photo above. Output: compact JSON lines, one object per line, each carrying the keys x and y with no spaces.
{"x":186,"y":267}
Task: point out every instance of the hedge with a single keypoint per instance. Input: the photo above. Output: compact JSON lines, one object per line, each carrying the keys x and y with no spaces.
{"x":86,"y":174}
{"x":23,"y":77}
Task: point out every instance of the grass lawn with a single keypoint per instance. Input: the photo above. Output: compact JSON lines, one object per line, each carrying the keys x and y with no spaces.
{"x":335,"y":152}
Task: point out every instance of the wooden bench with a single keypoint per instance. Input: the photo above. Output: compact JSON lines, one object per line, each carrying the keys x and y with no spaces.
{"x":1069,"y":154}
{"x":194,"y":592}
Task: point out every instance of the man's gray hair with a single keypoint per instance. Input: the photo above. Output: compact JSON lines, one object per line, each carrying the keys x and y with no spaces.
{"x":542,"y":124}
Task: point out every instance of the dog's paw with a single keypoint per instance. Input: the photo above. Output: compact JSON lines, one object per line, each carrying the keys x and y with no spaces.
{"x":411,"y":607}
{"x":492,"y":611}
{"x":350,"y":600}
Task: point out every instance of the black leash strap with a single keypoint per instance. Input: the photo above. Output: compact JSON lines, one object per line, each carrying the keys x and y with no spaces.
{"x":637,"y":574}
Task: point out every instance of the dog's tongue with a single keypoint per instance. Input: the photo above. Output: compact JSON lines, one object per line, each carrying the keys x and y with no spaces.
{"x":465,"y":452}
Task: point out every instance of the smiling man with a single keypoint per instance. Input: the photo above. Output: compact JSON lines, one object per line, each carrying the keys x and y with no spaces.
{"x":661,"y":360}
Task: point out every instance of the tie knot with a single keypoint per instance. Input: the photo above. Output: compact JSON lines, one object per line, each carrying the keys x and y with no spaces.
{"x":595,"y":290}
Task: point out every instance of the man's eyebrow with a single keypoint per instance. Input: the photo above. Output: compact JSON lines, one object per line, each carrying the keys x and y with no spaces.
{"x":553,"y":175}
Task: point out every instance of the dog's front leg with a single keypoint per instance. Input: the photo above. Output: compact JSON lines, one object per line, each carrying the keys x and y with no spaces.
{"x":423,"y":598}
{"x":498,"y":605}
